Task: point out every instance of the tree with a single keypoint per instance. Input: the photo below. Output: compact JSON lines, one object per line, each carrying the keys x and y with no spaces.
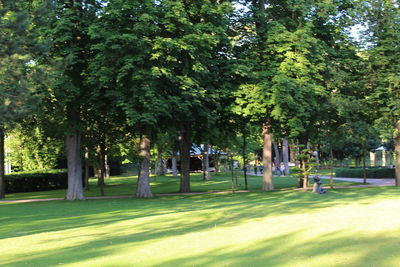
{"x":20,"y":76}
{"x":383,"y":21}
{"x":69,"y":58}
{"x":187,"y":57}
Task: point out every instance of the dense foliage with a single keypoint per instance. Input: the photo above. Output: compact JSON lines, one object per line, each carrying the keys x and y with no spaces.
{"x":36,"y":181}
{"x":123,"y":77}
{"x":370,"y":172}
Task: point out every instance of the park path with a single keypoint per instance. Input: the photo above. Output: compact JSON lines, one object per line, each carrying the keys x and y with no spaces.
{"x":370,"y":183}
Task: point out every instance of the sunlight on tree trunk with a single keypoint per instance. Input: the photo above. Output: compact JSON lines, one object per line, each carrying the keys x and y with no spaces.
{"x":206,"y":163}
{"x":75,"y":186}
{"x":267,"y":158}
{"x":143,"y":189}
{"x":86,"y":162}
{"x":174,"y":165}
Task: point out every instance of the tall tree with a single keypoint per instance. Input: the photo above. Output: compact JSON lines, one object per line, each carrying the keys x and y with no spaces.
{"x":383,"y":48}
{"x":69,"y":57}
{"x":20,"y":75}
{"x":188,"y":53}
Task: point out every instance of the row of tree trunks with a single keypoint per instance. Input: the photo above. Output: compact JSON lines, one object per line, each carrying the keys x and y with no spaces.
{"x":143,"y":189}
{"x":396,"y":137}
{"x":184,"y":147}
{"x":2,"y":162}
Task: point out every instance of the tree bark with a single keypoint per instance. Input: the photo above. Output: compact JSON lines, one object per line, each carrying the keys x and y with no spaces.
{"x":364,"y":170}
{"x":206,"y":163}
{"x":160,"y":164}
{"x":277,"y":159}
{"x":184,"y":147}
{"x":293,"y":154}
{"x":86,"y":175}
{"x":143,"y":189}
{"x":75,"y":185}
{"x":102,"y":167}
{"x":107,"y":167}
{"x":217,"y":162}
{"x":285,"y":154}
{"x":174,"y":165}
{"x":332,"y":167}
{"x":267,"y":158}
{"x":384,"y":158}
{"x":245,"y":157}
{"x":396,"y":137}
{"x":2,"y":170}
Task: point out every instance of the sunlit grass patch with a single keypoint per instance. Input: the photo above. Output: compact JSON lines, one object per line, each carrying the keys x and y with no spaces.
{"x":347,"y":227}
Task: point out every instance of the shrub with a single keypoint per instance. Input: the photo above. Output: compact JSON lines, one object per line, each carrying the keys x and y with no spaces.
{"x":36,"y":181}
{"x":371,"y":172}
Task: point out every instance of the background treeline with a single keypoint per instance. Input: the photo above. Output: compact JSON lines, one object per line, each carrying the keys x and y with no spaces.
{"x":93,"y":80}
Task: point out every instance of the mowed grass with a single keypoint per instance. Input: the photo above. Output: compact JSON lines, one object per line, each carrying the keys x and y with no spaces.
{"x":126,"y":185}
{"x":346,"y":227}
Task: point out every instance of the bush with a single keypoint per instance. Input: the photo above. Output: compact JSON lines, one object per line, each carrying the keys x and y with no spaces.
{"x":371,"y":172}
{"x":36,"y":181}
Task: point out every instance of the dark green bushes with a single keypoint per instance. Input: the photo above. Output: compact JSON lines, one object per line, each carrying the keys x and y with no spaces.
{"x":371,"y":172}
{"x":36,"y":181}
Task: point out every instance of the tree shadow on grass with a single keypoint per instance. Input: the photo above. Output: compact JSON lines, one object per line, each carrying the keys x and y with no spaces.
{"x":290,"y":249}
{"x":32,"y":218}
{"x":330,"y":249}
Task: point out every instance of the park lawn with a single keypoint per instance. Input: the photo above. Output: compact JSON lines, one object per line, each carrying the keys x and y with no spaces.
{"x":346,"y":227}
{"x":126,"y":185}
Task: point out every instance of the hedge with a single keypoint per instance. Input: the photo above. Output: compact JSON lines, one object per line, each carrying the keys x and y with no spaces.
{"x":371,"y":172}
{"x":36,"y":181}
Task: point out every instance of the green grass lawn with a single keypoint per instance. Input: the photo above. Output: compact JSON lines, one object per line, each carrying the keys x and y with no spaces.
{"x":126,"y":185}
{"x":346,"y":227}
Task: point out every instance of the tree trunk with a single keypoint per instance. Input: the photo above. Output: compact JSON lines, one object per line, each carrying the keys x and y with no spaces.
{"x":364,"y":170}
{"x":217,"y":162}
{"x":184,"y":147}
{"x":143,"y":189}
{"x":102,"y":167}
{"x":86,"y":162}
{"x":159,"y":166}
{"x":107,"y":167}
{"x":277,"y":159}
{"x":174,"y":165}
{"x":75,"y":185}
{"x":293,"y":154}
{"x":245,"y":158}
{"x":267,"y":158}
{"x":384,"y":158}
{"x":396,"y":137}
{"x":2,"y":156}
{"x":332,"y":167}
{"x":285,"y":154}
{"x":206,"y":163}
